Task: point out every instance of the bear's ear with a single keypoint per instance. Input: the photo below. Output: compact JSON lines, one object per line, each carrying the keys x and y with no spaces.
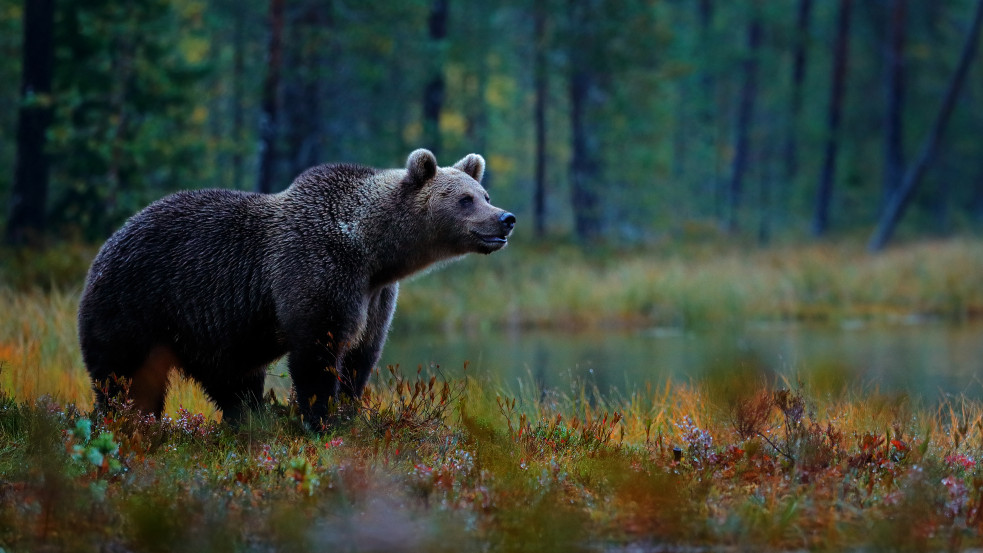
{"x":421,"y":166}
{"x":473,"y":165}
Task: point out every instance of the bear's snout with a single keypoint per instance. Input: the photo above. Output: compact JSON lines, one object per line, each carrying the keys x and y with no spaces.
{"x":507,"y":220}
{"x":492,"y":233}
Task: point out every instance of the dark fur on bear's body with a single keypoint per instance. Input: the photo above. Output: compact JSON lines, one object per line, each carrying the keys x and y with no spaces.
{"x":222,"y":283}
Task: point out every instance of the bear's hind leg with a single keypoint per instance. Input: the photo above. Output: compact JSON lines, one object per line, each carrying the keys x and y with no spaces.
{"x":134,"y":373}
{"x":148,"y":387}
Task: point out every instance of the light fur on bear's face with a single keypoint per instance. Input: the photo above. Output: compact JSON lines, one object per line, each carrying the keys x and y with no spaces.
{"x":459,"y":209}
{"x":462,"y":208}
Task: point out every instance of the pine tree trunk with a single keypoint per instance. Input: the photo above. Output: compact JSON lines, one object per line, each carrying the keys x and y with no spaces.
{"x":238,"y":72}
{"x":433,"y":96}
{"x":798,"y":78}
{"x":30,"y":188}
{"x":745,"y":116}
{"x":542,"y":90}
{"x":305,"y":56}
{"x":706,"y":127}
{"x":269,"y":119}
{"x":820,"y":221}
{"x":894,"y":102}
{"x":901,"y":197}
{"x":585,"y":164}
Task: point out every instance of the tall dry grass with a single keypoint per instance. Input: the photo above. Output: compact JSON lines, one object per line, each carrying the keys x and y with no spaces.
{"x":39,"y":346}
{"x":39,"y":353}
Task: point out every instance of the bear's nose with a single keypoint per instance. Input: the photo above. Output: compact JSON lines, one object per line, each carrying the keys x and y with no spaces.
{"x":507,"y":220}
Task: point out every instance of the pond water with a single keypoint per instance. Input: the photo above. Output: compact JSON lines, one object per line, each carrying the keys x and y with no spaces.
{"x":927,"y":361}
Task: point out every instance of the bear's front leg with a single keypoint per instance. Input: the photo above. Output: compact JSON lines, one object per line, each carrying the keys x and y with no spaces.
{"x":314,"y":369}
{"x":319,"y":321}
{"x":362,"y":358}
{"x":318,"y":336}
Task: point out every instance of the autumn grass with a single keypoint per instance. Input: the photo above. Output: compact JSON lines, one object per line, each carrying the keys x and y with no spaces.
{"x":464,"y":466}
{"x":698,"y":287}
{"x":694,"y":285}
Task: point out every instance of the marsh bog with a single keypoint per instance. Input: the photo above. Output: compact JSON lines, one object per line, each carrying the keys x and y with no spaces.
{"x":926,"y":360}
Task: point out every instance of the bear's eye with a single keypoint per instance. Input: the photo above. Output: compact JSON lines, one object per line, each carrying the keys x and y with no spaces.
{"x":487,"y":198}
{"x":466,"y":201}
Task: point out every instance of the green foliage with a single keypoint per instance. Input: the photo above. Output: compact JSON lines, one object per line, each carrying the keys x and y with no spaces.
{"x":11,"y":17}
{"x":62,"y":266}
{"x":126,"y":128}
{"x":99,"y":453}
{"x":165,"y":94}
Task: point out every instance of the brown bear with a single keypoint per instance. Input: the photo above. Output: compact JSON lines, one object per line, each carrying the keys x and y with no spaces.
{"x":222,"y":283}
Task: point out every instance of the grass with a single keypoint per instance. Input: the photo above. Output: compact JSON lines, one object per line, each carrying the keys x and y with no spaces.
{"x":686,"y":286}
{"x":733,"y":460}
{"x":566,"y":288}
{"x":421,"y":469}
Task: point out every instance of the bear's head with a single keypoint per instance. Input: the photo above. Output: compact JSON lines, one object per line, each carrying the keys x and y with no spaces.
{"x":457,"y":206}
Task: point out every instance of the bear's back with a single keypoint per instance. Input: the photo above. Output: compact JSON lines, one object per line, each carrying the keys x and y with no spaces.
{"x":189,"y":265}
{"x":187,"y":233}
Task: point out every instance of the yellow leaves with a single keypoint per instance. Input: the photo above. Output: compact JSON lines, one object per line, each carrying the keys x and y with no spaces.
{"x":192,"y":11}
{"x":453,"y":122}
{"x":412,"y":132}
{"x":501,"y":164}
{"x":12,"y":12}
{"x":194,"y":49}
{"x":199,"y":115}
{"x":500,"y":92}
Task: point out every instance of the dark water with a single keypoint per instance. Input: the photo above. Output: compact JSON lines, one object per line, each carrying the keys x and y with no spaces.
{"x":927,"y":361}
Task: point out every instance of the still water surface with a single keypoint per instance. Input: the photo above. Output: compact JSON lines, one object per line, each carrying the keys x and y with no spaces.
{"x":927,"y":361}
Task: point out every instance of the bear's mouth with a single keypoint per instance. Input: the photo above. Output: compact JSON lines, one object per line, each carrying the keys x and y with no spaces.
{"x":492,"y":239}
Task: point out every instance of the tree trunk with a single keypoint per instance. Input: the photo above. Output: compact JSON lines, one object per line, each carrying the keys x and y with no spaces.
{"x":765,"y":201}
{"x":325,"y":64}
{"x":123,"y":64}
{"x":798,"y":78}
{"x":30,"y":188}
{"x":894,"y":102}
{"x":976,"y":202}
{"x":269,"y":122}
{"x":585,"y":162}
{"x":820,"y":222}
{"x":305,"y":56}
{"x":902,"y":196}
{"x":433,"y":96}
{"x":238,"y":72}
{"x":707,"y":123}
{"x":745,"y":116}
{"x":542,"y":90}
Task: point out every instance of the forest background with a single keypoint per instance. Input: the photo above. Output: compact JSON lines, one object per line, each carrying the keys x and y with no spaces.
{"x":627,"y":121}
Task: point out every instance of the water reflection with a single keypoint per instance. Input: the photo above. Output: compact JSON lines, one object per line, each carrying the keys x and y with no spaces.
{"x":924,"y":360}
